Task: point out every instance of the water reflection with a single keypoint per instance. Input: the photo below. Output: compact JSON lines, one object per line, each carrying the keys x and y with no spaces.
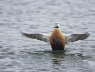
{"x":57,"y":56}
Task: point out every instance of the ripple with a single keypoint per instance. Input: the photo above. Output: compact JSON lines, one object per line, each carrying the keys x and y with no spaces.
{"x":19,"y":54}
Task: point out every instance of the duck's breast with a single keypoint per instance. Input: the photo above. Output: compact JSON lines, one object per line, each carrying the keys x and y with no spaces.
{"x":57,"y":43}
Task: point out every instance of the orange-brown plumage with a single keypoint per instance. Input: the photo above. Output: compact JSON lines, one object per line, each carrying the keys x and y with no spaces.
{"x":57,"y":39}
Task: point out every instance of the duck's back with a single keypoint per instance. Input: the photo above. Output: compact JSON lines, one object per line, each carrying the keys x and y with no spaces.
{"x":57,"y":40}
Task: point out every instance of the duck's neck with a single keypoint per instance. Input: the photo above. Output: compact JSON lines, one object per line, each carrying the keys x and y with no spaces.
{"x":56,"y":31}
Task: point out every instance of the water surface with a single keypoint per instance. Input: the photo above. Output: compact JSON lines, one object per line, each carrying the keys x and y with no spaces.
{"x":21,"y":54}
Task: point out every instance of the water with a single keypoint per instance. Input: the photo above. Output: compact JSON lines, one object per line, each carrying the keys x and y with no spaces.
{"x":20,"y":54}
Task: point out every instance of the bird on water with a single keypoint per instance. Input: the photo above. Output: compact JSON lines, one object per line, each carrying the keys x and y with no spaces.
{"x":57,"y":38}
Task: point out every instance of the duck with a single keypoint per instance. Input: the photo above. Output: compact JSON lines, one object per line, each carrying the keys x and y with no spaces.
{"x":57,"y":39}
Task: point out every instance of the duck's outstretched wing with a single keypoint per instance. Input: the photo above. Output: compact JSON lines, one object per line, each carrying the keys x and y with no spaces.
{"x":76,"y":37}
{"x":36,"y":36}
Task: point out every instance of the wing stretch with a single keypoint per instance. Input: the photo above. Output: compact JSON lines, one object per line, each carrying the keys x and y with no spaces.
{"x":37,"y":36}
{"x":76,"y":37}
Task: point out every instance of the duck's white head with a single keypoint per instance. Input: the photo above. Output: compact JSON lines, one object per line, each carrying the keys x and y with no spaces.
{"x":57,"y":25}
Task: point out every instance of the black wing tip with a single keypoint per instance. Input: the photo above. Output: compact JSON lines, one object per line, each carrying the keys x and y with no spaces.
{"x":26,"y":34}
{"x":87,"y":34}
{"x":84,"y":36}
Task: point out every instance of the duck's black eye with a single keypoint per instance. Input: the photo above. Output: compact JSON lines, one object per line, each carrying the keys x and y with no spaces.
{"x":56,"y":27}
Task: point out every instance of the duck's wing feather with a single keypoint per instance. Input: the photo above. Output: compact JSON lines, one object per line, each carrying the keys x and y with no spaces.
{"x":41,"y":37}
{"x":76,"y":37}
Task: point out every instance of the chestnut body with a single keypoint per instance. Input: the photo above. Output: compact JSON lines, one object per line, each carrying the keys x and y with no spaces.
{"x":57,"y":40}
